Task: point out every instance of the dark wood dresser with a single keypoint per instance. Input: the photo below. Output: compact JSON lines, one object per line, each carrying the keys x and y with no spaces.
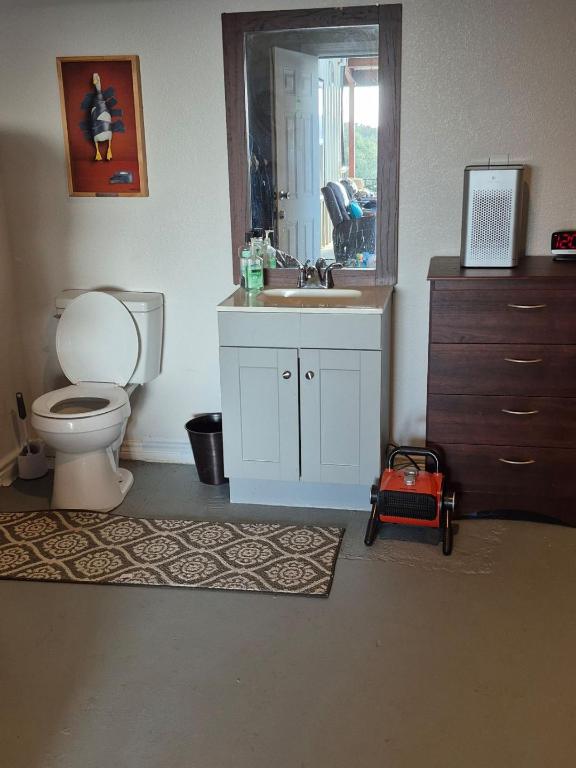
{"x":502,"y":385}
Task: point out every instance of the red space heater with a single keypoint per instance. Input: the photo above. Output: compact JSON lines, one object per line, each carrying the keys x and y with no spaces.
{"x":409,"y":495}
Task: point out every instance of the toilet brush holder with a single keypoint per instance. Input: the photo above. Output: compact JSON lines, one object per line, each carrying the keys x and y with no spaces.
{"x":32,"y":461}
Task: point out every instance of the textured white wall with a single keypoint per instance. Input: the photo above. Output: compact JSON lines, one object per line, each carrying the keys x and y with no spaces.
{"x":12,"y":377}
{"x":480,"y":78}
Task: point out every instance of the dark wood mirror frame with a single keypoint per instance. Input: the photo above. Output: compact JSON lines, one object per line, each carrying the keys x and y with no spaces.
{"x":235,"y":26}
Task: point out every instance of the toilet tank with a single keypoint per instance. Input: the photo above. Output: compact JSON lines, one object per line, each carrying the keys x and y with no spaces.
{"x":147,"y":310}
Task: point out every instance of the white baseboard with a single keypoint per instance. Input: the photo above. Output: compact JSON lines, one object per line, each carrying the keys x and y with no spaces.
{"x":9,"y":468}
{"x":168,"y":451}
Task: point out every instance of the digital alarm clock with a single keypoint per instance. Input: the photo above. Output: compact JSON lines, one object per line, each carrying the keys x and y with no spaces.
{"x":563,"y":245}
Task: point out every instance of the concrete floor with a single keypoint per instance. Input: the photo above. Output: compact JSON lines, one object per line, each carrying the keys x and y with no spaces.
{"x":414,"y":661}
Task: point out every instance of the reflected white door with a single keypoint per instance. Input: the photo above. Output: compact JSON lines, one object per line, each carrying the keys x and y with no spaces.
{"x":297,"y":153}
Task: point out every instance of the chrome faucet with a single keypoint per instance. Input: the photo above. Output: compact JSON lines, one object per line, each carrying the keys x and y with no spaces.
{"x":305,"y":273}
{"x":319,"y":276}
{"x":325,"y":277}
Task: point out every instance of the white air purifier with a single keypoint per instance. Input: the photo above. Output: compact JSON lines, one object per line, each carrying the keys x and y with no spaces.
{"x":491,"y":215}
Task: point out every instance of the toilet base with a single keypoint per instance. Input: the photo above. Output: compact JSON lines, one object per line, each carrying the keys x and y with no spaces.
{"x":90,"y":481}
{"x":125,"y":479}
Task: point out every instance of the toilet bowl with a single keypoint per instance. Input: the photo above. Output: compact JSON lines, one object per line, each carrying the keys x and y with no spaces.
{"x":98,"y":346}
{"x":85,"y":425}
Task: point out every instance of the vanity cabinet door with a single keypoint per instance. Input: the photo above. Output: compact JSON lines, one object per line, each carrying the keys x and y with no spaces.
{"x":340,"y":394}
{"x":260,"y":412}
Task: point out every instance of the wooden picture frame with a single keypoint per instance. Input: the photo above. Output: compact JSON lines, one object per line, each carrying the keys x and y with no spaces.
{"x":235,"y":27}
{"x":101,"y":103}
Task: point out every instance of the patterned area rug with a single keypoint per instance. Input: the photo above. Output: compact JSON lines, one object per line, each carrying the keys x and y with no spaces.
{"x":102,"y":548}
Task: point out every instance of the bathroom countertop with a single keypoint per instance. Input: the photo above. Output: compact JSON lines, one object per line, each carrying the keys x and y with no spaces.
{"x":372,"y":300}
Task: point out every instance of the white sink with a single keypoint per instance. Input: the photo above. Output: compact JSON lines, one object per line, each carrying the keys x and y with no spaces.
{"x":312,"y":293}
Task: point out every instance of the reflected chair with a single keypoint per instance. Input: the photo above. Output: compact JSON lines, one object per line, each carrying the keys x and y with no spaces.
{"x":350,"y":236}
{"x":366,"y":199}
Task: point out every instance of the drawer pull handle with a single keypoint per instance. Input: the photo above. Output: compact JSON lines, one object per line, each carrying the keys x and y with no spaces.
{"x":520,"y":413}
{"x":524,"y":362}
{"x":309,"y":375}
{"x":527,"y":306}
{"x":517,"y":463}
{"x":286,"y":375}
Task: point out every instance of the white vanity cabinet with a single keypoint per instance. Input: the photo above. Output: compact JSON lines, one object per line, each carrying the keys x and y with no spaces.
{"x":260,"y":407}
{"x":340,"y":415}
{"x":305,"y":400}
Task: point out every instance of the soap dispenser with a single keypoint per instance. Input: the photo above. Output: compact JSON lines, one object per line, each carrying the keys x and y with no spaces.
{"x":270,"y":250}
{"x":244,"y":257}
{"x":255,"y":266}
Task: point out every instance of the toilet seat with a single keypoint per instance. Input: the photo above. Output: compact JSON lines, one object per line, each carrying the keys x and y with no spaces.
{"x":97,"y":346}
{"x":97,"y":340}
{"x":80,"y":401}
{"x":76,"y":419}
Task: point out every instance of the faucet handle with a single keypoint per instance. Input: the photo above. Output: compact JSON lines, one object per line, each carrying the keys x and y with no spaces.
{"x":320,"y":267}
{"x":329,"y":269}
{"x":302,"y":272}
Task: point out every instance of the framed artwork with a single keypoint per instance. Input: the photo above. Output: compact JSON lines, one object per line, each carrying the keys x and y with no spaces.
{"x":103,"y":127}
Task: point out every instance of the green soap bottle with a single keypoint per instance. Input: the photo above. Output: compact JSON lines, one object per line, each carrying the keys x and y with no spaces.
{"x":270,"y":250}
{"x":244,"y":256}
{"x":255,"y":266}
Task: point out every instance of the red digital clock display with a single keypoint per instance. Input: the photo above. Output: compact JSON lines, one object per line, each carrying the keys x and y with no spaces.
{"x":564,"y":241}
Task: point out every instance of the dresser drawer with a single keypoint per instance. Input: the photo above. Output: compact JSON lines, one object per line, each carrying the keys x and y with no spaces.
{"x":544,"y":472}
{"x":497,"y":420}
{"x":502,"y":369}
{"x":503,"y":316}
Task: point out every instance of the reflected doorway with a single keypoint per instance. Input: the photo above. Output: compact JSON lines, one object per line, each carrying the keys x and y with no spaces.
{"x":312,"y":97}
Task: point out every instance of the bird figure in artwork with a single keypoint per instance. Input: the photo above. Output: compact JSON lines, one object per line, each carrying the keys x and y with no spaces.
{"x":99,"y":125}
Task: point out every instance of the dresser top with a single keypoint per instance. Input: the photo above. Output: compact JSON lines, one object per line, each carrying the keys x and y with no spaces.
{"x":529,"y":267}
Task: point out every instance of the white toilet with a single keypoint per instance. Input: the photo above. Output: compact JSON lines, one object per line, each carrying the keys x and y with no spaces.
{"x":107,"y":343}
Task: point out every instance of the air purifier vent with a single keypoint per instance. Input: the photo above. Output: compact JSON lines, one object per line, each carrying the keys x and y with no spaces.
{"x":491,"y":214}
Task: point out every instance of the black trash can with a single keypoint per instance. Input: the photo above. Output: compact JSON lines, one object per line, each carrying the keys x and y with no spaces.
{"x":205,"y":435}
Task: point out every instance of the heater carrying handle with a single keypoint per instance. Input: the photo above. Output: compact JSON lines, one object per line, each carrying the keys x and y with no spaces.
{"x":409,"y":451}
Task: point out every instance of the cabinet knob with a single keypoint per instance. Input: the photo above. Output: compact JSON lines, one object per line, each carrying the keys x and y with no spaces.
{"x":286,"y":375}
{"x":309,"y":375}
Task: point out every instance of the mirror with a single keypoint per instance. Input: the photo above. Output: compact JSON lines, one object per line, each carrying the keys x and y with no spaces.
{"x":312,"y":125}
{"x":312,"y":102}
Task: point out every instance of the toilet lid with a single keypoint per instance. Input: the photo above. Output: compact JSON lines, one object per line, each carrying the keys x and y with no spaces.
{"x":97,"y":340}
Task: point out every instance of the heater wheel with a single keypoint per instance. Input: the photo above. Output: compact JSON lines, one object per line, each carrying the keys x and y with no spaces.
{"x":447,"y":531}
{"x":374,"y":521}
